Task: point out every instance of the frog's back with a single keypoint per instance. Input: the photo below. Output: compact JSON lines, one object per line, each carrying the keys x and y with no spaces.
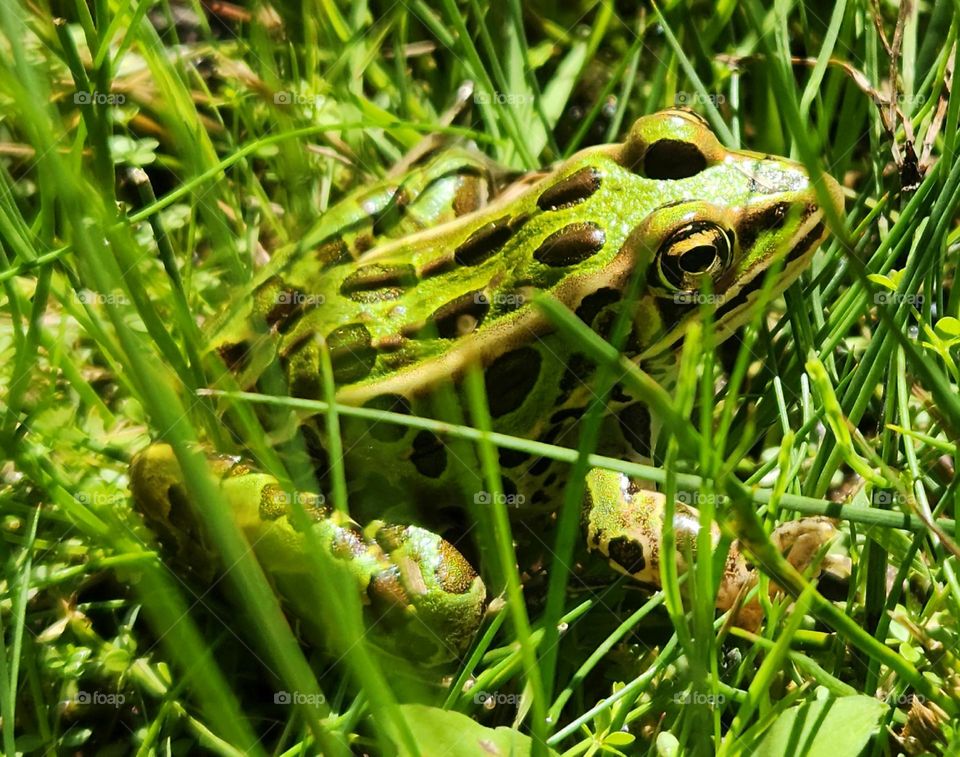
{"x":409,"y":314}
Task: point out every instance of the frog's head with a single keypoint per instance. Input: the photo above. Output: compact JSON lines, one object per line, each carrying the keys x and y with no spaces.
{"x":727,"y":217}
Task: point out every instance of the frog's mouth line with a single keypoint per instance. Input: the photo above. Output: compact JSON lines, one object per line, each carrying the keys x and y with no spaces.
{"x":808,"y":236}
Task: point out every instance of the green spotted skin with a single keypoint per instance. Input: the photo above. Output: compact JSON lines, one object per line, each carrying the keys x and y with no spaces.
{"x":406,"y":317}
{"x":411,"y":281}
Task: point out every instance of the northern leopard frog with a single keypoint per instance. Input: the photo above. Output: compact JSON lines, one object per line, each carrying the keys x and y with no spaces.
{"x":411,"y":281}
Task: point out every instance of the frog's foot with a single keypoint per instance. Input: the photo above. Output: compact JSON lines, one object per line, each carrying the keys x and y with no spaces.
{"x":624,"y":521}
{"x":420,"y":595}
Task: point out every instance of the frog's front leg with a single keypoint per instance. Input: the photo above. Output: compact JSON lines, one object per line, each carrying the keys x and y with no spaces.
{"x":624,"y":521}
{"x":421,"y":596}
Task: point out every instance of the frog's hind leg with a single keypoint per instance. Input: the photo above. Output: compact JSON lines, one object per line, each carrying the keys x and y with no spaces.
{"x":419,"y":593}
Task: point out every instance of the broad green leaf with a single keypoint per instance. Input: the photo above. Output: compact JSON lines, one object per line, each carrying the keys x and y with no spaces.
{"x":824,"y":728}
{"x":949,"y":326}
{"x":443,"y":732}
{"x":884,"y":281}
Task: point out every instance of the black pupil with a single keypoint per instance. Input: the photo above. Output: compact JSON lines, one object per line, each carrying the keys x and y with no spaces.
{"x":698,"y":259}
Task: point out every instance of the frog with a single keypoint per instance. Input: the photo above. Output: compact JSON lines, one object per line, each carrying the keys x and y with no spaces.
{"x":408,"y":284}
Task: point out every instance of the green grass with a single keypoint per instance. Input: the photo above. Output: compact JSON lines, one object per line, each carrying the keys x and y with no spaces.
{"x":148,"y":168}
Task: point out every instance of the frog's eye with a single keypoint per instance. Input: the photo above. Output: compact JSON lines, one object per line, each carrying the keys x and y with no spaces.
{"x":698,"y":249}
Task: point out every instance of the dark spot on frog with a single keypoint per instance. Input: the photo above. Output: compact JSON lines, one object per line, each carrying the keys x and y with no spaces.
{"x":429,"y":455}
{"x":289,"y":304}
{"x":517,"y":222}
{"x":510,"y":378}
{"x":332,"y":252}
{"x":674,"y":309}
{"x":458,"y":317}
{"x":578,"y":371}
{"x":542,"y":465}
{"x":437,"y":267}
{"x":567,"y":413}
{"x":509,"y":489}
{"x":595,"y":302}
{"x":570,"y":190}
{"x":635,"y":426}
{"x":306,"y":386}
{"x":770,"y":218}
{"x":351,"y":353}
{"x":235,"y":356}
{"x":378,"y":282}
{"x":670,"y":159}
{"x":385,"y":431}
{"x":511,"y":458}
{"x":574,"y":243}
{"x":484,"y":243}
{"x":318,"y":457}
{"x":626,"y":553}
{"x":619,"y":393}
{"x":362,"y":244}
{"x":299,"y":361}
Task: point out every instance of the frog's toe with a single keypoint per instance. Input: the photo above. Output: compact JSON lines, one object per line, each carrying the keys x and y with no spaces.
{"x":429,"y":592}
